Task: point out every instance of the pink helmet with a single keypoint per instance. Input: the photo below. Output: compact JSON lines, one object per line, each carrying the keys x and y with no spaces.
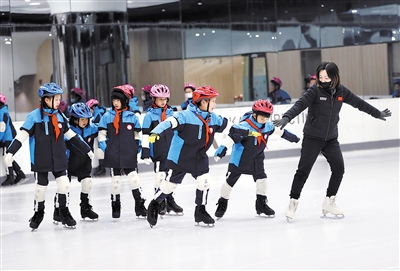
{"x":160,"y":91}
{"x":92,"y":102}
{"x":277,"y":81}
{"x":79,"y":92}
{"x":130,"y":88}
{"x":3,"y":99}
{"x":62,"y":106}
{"x":146,"y":88}
{"x":313,"y":77}
{"x":189,"y":85}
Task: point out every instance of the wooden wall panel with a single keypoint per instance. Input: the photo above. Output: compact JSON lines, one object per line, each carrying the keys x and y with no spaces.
{"x":289,"y":71}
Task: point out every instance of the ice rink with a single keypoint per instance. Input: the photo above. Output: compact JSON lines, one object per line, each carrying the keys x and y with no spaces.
{"x":367,"y":238}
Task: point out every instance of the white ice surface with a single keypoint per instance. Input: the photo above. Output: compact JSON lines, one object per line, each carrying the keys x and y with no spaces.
{"x":367,"y":238}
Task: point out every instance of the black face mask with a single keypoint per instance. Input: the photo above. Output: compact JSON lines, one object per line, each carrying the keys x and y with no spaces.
{"x":325,"y":85}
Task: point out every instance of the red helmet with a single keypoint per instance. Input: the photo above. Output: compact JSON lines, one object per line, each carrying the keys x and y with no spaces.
{"x":189,"y":85}
{"x":160,"y":91}
{"x":277,"y":81}
{"x":203,"y":93}
{"x":263,"y":106}
{"x":146,"y":88}
{"x":124,"y":89}
{"x":3,"y":99}
{"x":92,"y":102}
{"x":79,"y":92}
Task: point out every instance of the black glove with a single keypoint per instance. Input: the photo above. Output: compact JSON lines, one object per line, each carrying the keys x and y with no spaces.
{"x":384,"y":114}
{"x":282,"y":122}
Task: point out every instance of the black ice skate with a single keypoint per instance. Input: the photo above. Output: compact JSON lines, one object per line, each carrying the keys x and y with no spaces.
{"x":152,"y":213}
{"x":140,"y":210}
{"x":56,"y":216}
{"x":201,"y":215}
{"x":8,"y":181}
{"x":172,"y":206}
{"x":263,"y":208}
{"x":100,"y":171}
{"x":36,"y":220}
{"x":221,"y":209}
{"x":20,"y":175}
{"x":163,"y":207}
{"x":66,"y":218}
{"x":87,"y":212}
{"x":116,"y":209}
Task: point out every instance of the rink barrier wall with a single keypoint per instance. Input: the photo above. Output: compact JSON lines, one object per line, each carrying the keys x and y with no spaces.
{"x":357,"y":131}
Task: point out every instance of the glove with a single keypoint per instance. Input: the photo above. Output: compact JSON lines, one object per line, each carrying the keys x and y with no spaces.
{"x":103,"y":146}
{"x":153,"y":138}
{"x":282,"y":122}
{"x":253,"y":133}
{"x":384,"y":114}
{"x":91,"y":155}
{"x":147,"y":161}
{"x":8,"y":159}
{"x":220,"y":152}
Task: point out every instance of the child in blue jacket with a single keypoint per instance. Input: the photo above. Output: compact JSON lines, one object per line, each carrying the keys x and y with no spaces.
{"x":79,"y":164}
{"x":46,"y":129}
{"x":119,"y":139}
{"x":158,"y":112}
{"x":7,"y":133}
{"x":194,"y":133}
{"x":248,"y":154}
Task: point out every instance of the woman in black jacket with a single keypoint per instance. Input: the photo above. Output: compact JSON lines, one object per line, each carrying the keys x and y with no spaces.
{"x":324,"y":101}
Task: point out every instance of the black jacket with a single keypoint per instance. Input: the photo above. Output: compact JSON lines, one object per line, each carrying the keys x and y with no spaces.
{"x":323,"y":110}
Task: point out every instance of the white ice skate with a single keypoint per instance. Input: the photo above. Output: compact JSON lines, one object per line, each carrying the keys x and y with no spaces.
{"x":291,"y":210}
{"x":329,"y":206}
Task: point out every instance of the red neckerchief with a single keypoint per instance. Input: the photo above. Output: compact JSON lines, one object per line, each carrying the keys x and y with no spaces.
{"x":259,"y":138}
{"x":54,"y":121}
{"x":207,"y":128}
{"x":164,"y":111}
{"x":117,"y":118}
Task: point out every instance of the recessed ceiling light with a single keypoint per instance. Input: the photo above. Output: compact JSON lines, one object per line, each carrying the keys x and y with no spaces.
{"x":34,"y":4}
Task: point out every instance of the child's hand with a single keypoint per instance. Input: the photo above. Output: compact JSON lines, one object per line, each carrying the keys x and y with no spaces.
{"x":91,"y":155}
{"x":254,"y":133}
{"x":220,"y":152}
{"x":153,"y":138}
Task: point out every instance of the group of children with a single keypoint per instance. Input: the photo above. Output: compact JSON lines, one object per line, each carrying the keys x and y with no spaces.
{"x":175,"y":142}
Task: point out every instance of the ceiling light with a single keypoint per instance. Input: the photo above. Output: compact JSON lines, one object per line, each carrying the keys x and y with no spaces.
{"x":213,"y":31}
{"x":197,"y":34}
{"x":199,"y":3}
{"x":34,"y":4}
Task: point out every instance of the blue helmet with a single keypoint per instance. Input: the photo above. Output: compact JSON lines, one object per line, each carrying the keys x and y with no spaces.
{"x":49,"y":90}
{"x":80,"y":110}
{"x":396,"y":81}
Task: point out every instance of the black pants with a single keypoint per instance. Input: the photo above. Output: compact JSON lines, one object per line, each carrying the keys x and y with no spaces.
{"x":310,"y":150}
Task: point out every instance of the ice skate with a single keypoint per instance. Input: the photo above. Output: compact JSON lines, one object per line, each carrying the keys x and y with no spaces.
{"x":152,"y":212}
{"x":20,"y":176}
{"x":100,"y":171}
{"x":116,"y":209}
{"x":56,"y":216}
{"x":172,"y":206}
{"x":329,"y":206}
{"x":163,"y":208}
{"x":8,"y":181}
{"x":140,"y":209}
{"x":291,"y":210}
{"x":263,"y":208}
{"x":87,"y":212}
{"x":36,"y":220}
{"x":222,"y":207}
{"x":66,"y":218}
{"x":201,"y":215}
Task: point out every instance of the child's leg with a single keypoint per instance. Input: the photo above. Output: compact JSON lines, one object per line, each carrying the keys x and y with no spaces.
{"x":39,"y":198}
{"x":86,"y":208}
{"x":160,"y":175}
{"x":134,"y":180}
{"x":231,"y":179}
{"x":261,"y":189}
{"x":115,"y":192}
{"x":173,"y":178}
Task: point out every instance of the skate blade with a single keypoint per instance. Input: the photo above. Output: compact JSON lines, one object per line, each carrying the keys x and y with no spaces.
{"x":218,"y":218}
{"x":87,"y":219}
{"x":205,"y":225}
{"x":22,"y":181}
{"x":172,"y":213}
{"x":288,"y":219}
{"x":69,"y":227}
{"x":265,"y":216}
{"x":32,"y":229}
{"x":141,"y":217}
{"x":325,"y":216}
{"x":55,"y":222}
